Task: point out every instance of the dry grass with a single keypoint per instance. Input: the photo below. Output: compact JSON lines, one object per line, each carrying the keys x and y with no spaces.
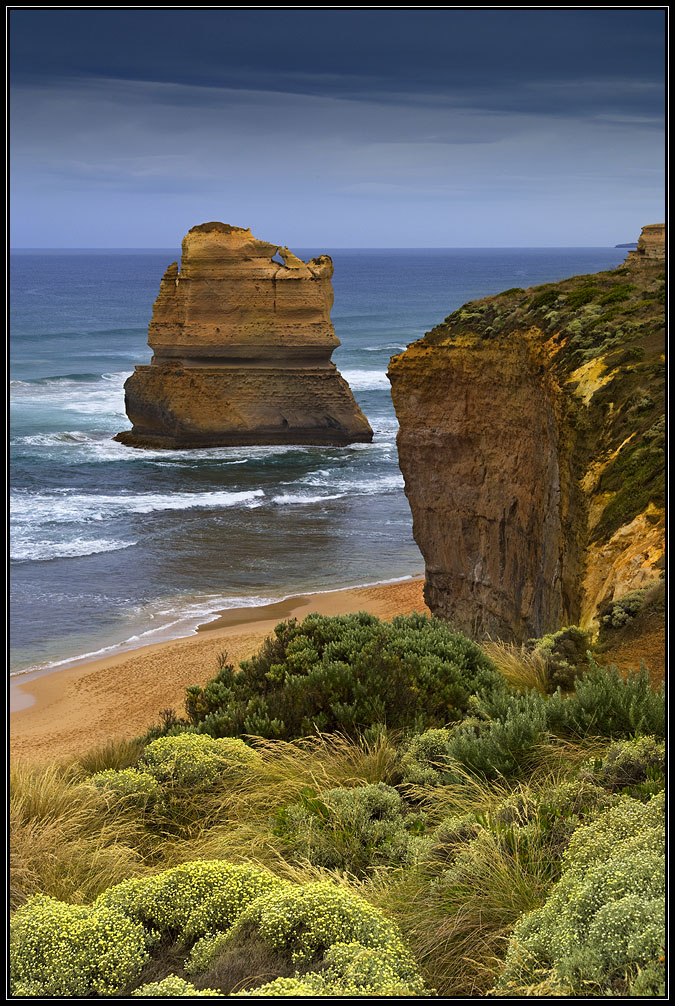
{"x":458,"y":925}
{"x":522,"y":670}
{"x":66,"y":840}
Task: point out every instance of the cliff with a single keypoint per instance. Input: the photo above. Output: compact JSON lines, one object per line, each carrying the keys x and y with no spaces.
{"x":532,"y":444}
{"x":242,"y":348}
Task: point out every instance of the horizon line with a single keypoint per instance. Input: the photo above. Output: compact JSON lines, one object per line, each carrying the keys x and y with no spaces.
{"x":24,"y":248}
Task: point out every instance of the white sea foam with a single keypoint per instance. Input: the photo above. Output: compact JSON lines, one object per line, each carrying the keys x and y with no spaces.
{"x":305,"y":498}
{"x":366,"y":380}
{"x":389,"y":346}
{"x":37,"y":551}
{"x":89,"y":394}
{"x":60,"y":506}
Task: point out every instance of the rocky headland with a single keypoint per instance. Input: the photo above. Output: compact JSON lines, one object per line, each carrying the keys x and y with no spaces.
{"x":242,"y":346}
{"x":532,"y":437}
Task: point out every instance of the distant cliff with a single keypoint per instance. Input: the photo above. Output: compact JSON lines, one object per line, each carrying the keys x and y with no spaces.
{"x":532,"y":444}
{"x":242,"y":351}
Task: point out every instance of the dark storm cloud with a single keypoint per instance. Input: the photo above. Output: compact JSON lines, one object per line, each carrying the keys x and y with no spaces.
{"x":526,"y":60}
{"x":336,"y":128}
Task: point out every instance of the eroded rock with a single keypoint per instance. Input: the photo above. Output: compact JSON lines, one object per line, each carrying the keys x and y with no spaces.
{"x":242,"y":349}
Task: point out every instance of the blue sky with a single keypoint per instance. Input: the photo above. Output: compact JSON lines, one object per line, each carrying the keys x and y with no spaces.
{"x":336,"y":128}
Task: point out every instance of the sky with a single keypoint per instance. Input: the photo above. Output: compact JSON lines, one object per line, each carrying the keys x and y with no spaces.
{"x":336,"y":128}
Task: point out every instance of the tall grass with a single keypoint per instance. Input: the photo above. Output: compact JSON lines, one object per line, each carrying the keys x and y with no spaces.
{"x":458,"y":923}
{"x":521,"y":670}
{"x":66,"y":840}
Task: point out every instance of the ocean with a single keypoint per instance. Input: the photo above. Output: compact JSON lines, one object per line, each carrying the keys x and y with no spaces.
{"x":113,"y":548}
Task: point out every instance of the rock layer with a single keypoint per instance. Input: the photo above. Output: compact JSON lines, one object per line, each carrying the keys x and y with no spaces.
{"x":531,"y":442}
{"x":242,"y":348}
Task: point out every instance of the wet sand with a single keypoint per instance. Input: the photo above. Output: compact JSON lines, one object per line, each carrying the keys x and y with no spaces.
{"x":78,"y":707}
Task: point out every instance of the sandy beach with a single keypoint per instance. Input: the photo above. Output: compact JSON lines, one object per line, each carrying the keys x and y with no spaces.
{"x":81,"y":706}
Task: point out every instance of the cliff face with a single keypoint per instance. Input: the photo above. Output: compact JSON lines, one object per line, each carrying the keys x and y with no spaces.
{"x":242,"y":351}
{"x":532,"y":445}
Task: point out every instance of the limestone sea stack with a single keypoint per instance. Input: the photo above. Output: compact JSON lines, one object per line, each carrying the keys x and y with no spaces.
{"x":531,"y":439}
{"x":242,"y":348}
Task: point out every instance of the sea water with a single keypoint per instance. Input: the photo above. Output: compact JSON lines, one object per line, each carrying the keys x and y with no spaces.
{"x":113,"y":547}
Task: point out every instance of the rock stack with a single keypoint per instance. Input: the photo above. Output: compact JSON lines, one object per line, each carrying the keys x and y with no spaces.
{"x":242,"y":349}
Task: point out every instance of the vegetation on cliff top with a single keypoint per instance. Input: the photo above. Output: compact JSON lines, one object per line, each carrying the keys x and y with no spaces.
{"x":427,"y":854}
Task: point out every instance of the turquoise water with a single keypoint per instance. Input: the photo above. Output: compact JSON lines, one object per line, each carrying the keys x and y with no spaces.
{"x":112,"y":547}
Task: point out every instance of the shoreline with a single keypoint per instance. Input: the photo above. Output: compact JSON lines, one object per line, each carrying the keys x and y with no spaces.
{"x":62,"y":712}
{"x":190,"y":624}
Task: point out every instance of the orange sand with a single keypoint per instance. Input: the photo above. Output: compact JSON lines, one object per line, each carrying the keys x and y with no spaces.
{"x":79,"y":707}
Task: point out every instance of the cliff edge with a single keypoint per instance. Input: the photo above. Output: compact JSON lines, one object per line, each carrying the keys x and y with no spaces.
{"x":242,"y":349}
{"x":531,"y":441}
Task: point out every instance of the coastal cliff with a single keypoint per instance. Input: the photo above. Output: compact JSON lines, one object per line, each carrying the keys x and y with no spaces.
{"x":531,"y":442}
{"x":242,"y":349}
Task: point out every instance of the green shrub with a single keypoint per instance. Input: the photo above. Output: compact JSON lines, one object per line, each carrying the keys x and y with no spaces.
{"x":564,"y":654}
{"x":620,"y":291}
{"x":630,"y":764}
{"x":140,"y":788}
{"x":172,"y":988}
{"x":73,"y":951}
{"x":352,"y":829}
{"x":618,"y":613}
{"x":606,"y":704}
{"x":584,"y":295}
{"x":187,"y":900}
{"x":512,"y":290}
{"x":493,"y":745}
{"x":603,"y":923}
{"x":189,"y":759}
{"x":543,"y":299}
{"x":304,"y":922}
{"x":424,"y":759}
{"x":346,"y":673}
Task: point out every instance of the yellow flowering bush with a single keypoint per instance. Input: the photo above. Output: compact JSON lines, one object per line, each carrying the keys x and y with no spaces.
{"x":348,"y":970}
{"x":140,"y":788}
{"x":190,"y":899}
{"x":602,"y":928}
{"x":293,"y":988}
{"x":305,"y":922}
{"x":190,"y":759}
{"x":171,"y":988}
{"x":71,"y":951}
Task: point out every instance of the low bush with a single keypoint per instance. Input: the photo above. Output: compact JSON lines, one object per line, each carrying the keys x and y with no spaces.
{"x":352,"y":829}
{"x":490,"y":744}
{"x":347,"y":673}
{"x":139,"y":788}
{"x":184,"y":902}
{"x":173,"y":987}
{"x":637,"y":764}
{"x":189,"y":759}
{"x":564,"y":654}
{"x":620,"y":291}
{"x":602,"y":929}
{"x":544,"y":299}
{"x":73,"y":951}
{"x":584,"y":295}
{"x":618,"y":613}
{"x":305,"y":922}
{"x":607,"y":704}
{"x":348,"y":970}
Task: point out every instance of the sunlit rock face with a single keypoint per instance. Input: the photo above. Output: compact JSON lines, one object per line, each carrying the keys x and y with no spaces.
{"x":242,"y":346}
{"x":531,"y":440}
